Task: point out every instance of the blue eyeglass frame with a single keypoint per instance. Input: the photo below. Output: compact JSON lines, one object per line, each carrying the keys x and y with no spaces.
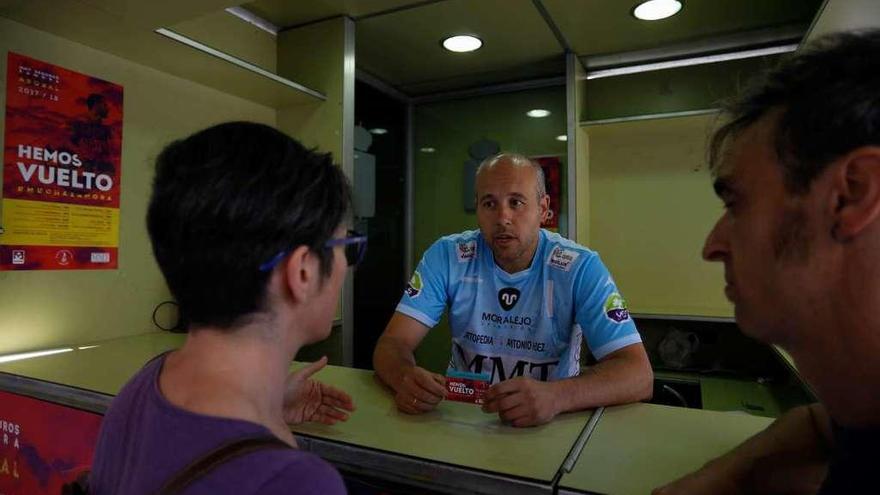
{"x":351,"y":237}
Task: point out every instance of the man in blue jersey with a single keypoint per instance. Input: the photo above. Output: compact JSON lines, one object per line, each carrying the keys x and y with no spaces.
{"x":520,"y":301}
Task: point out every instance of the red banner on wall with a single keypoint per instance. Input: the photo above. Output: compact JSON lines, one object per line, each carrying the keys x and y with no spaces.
{"x":43,"y":445}
{"x":61,"y":169}
{"x":551,"y":166}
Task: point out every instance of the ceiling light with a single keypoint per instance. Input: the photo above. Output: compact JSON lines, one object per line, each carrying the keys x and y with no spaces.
{"x":427,"y":150}
{"x":562,"y":137}
{"x":538,"y":113}
{"x":462,"y":43}
{"x":378,"y":131}
{"x":654,"y":10}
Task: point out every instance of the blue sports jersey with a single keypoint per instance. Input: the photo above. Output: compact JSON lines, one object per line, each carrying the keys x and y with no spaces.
{"x":528,"y":323}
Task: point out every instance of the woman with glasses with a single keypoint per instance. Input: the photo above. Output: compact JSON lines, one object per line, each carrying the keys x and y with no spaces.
{"x":248,"y":228}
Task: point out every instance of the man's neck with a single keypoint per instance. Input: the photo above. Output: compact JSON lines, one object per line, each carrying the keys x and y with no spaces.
{"x":521,"y":263}
{"x":841,"y":361}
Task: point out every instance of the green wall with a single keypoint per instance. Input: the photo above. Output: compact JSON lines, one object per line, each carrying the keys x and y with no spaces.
{"x":653,"y":205}
{"x":649,"y":192}
{"x":50,"y":308}
{"x":450,"y":127}
{"x":314,"y":55}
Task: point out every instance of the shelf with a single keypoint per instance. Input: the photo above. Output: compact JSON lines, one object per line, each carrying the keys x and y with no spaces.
{"x":169,"y":52}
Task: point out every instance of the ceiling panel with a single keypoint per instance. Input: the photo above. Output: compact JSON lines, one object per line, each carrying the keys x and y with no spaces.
{"x":286,"y":13}
{"x":607,"y":26}
{"x":158,"y":13}
{"x":403,"y":48}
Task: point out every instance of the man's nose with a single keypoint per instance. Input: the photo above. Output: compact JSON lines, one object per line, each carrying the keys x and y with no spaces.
{"x":505,"y":215}
{"x":716,"y":245}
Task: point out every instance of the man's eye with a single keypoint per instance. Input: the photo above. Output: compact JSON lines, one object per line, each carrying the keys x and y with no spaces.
{"x":488,"y":204}
{"x":517,"y":203}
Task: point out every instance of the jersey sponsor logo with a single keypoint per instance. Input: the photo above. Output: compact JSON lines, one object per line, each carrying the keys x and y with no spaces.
{"x":526,"y":345}
{"x":502,"y":367}
{"x":466,"y":251}
{"x":525,"y":321}
{"x":563,"y":258}
{"x":479,"y":339}
{"x":508,"y":297}
{"x":414,"y":287}
{"x":615,"y":308}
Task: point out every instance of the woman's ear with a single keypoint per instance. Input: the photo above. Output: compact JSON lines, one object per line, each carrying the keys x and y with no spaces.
{"x":857,"y":192}
{"x":301,"y":274}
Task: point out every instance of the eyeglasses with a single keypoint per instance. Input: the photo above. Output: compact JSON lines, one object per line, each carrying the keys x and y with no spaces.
{"x":355,"y":248}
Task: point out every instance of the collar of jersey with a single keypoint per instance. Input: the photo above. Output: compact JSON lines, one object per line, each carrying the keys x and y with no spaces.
{"x":515,"y":277}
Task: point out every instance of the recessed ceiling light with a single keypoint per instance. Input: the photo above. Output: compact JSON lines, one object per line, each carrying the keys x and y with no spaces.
{"x":462,"y":43}
{"x":538,"y":113}
{"x":427,"y":150}
{"x":654,"y":10}
{"x":378,"y":131}
{"x":562,"y":137}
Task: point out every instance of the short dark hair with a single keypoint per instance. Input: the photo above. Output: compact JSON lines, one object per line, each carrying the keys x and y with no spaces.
{"x":228,"y":199}
{"x":828,"y":98}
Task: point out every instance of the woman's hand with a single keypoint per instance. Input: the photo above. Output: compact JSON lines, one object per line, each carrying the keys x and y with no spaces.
{"x":306,"y":399}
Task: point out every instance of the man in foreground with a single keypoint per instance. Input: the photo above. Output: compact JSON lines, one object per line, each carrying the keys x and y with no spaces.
{"x":798,"y":168}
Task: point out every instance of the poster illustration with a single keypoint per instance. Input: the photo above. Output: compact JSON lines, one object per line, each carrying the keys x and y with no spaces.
{"x":43,"y":445}
{"x":61,"y":169}
{"x":551,"y":166}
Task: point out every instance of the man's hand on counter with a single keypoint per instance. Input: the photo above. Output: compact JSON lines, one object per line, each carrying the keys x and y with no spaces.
{"x":522,"y":401}
{"x":418,"y":390}
{"x":306,"y":399}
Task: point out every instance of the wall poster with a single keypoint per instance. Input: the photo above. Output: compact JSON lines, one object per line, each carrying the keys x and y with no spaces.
{"x":552,"y":165}
{"x":61,"y":169}
{"x":43,"y":445}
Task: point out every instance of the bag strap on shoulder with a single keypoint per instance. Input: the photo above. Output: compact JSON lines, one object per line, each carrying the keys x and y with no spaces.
{"x":210,"y":461}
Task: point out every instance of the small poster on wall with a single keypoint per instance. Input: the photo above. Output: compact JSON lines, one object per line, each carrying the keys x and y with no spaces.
{"x":61,"y":169}
{"x":551,"y":166}
{"x":43,"y":445}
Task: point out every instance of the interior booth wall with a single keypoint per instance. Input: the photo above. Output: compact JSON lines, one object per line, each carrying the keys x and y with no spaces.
{"x":650,"y":192}
{"x":653,"y":205}
{"x":49,"y":308}
{"x":449,"y":128}
{"x":321,"y":56}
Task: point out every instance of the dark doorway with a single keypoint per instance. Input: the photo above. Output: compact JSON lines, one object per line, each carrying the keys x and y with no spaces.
{"x":378,"y":281}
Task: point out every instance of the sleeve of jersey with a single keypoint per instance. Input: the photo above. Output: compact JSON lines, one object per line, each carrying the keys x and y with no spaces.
{"x":425,"y":295}
{"x":601,"y":311}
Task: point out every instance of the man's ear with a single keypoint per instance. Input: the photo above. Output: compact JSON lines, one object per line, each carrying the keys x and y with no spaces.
{"x":544,"y":204}
{"x":857,"y":192}
{"x":301,"y":273}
